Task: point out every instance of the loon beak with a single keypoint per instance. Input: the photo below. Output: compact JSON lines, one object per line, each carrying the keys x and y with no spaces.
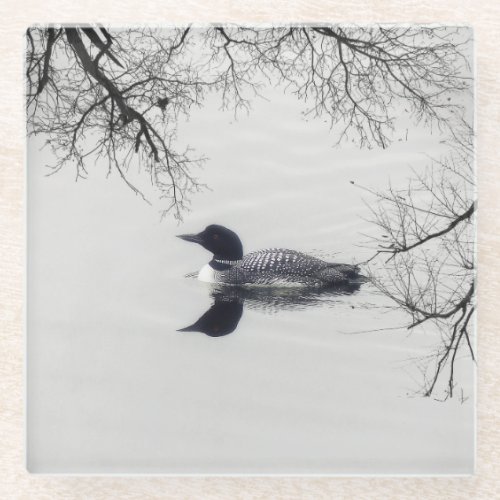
{"x":190,"y":328}
{"x":195,"y":238}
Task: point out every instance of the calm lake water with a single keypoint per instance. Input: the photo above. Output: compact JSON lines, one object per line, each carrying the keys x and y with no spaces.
{"x":305,"y":383}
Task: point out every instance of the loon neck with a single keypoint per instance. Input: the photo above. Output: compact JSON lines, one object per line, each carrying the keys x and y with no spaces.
{"x":222,"y":264}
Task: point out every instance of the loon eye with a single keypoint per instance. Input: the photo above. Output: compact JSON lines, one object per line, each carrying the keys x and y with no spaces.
{"x":215,"y":236}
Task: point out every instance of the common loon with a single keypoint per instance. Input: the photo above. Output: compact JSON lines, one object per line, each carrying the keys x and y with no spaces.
{"x":272,"y":266}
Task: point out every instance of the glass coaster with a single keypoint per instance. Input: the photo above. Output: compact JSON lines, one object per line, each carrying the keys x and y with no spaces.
{"x":251,"y":250}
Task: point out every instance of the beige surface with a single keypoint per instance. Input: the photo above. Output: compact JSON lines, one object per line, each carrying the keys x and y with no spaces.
{"x":15,"y":482}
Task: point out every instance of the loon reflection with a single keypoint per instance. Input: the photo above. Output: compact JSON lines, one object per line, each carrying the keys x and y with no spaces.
{"x":223,"y":316}
{"x":221,"y":319}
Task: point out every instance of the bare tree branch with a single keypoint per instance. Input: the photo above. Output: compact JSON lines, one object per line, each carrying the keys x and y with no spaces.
{"x":430,"y":271}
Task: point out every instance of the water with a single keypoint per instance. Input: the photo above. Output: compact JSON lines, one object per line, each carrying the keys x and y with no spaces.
{"x":304,"y":382}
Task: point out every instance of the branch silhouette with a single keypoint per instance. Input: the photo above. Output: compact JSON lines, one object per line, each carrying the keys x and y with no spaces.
{"x":125,"y":90}
{"x":430,"y":272}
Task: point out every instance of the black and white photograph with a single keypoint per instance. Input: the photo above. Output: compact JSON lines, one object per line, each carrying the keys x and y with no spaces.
{"x":251,"y":249}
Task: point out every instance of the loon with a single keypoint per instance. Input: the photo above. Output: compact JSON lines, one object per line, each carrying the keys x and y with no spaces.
{"x":271,"y":266}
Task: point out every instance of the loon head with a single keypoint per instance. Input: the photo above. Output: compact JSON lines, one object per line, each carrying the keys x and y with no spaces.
{"x":221,"y":241}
